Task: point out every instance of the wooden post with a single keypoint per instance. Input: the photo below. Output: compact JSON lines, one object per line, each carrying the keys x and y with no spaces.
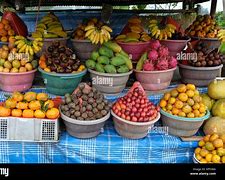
{"x":224,"y":7}
{"x":213,"y":7}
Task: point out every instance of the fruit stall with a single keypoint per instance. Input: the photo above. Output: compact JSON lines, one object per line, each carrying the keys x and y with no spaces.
{"x":111,"y":86}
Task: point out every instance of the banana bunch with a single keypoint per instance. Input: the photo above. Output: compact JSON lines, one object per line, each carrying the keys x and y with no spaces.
{"x":161,"y":32}
{"x":26,"y":46}
{"x":98,"y":35}
{"x":221,"y":35}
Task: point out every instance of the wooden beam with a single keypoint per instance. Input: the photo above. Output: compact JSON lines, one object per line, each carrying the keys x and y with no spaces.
{"x":213,"y":7}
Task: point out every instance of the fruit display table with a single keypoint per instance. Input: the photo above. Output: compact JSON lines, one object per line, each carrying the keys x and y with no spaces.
{"x":108,"y":147}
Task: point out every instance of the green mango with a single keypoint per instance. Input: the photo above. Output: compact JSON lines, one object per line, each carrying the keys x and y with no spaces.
{"x":123,"y":69}
{"x":103,"y":60}
{"x":104,"y":51}
{"x":90,"y":64}
{"x":99,"y":68}
{"x":118,"y":61}
{"x":95,"y":55}
{"x":110,"y":69}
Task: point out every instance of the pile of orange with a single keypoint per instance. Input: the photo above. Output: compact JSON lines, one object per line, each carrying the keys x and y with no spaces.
{"x":211,"y":149}
{"x":184,"y":101}
{"x":203,"y":27}
{"x":6,"y":31}
{"x":29,"y":105}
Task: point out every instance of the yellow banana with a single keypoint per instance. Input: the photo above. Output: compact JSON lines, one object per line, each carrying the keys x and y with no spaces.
{"x":153,"y":21}
{"x":101,"y":39}
{"x":89,"y":27}
{"x":21,"y":44}
{"x":31,"y":52}
{"x":155,"y":28}
{"x":89,"y":32}
{"x":27,"y":49}
{"x":19,"y":41}
{"x":157,"y":34}
{"x":22,"y":49}
{"x":152,"y":25}
{"x":38,"y":39}
{"x":106,"y":34}
{"x":19,"y":37}
{"x":40,"y":44}
{"x":171,"y":26}
{"x":97,"y":38}
{"x":107,"y":28}
{"x":91,"y":37}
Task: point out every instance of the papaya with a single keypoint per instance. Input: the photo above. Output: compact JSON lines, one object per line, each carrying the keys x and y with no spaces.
{"x":99,"y":68}
{"x":110,"y":69}
{"x":103,"y":60}
{"x":104,"y":51}
{"x":90,"y":64}
{"x":95,"y":55}
{"x":113,"y":46}
{"x":127,"y":60}
{"x":123,"y":69}
{"x":118,"y":61}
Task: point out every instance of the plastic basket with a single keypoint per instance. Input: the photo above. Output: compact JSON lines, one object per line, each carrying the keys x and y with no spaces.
{"x":29,"y":129}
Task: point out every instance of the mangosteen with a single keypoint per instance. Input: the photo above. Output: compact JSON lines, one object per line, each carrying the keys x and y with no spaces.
{"x":53,"y":68}
{"x":50,"y":49}
{"x":75,"y":67}
{"x":55,"y":54}
{"x":70,"y":62}
{"x":68,"y":70}
{"x":56,"y":61}
{"x":62,"y":49}
{"x":63,"y":65}
{"x":63,"y":57}
{"x":56,"y":44}
{"x":69,"y":52}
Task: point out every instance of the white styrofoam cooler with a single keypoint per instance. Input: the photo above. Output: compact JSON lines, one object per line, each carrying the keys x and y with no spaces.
{"x":28,"y":129}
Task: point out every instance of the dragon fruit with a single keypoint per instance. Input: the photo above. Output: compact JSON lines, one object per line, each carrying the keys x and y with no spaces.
{"x":153,"y":55}
{"x":162,"y":64}
{"x":163,"y":51}
{"x":172,"y":62}
{"x":155,"y":44}
{"x":148,"y":66}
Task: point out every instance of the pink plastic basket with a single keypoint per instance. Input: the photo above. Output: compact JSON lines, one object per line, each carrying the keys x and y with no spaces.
{"x":11,"y":82}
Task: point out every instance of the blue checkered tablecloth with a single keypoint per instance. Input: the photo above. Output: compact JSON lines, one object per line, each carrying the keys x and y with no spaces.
{"x":108,"y":147}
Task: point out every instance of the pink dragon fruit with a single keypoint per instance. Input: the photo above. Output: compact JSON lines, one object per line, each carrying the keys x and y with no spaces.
{"x":172,"y":62}
{"x":148,"y":66}
{"x":162,"y":64}
{"x":153,"y":55}
{"x":163,"y":51}
{"x":155,"y":44}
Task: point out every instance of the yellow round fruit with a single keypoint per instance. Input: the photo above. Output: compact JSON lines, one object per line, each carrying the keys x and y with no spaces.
{"x":223,"y":159}
{"x":1,"y":68}
{"x":202,"y":109}
{"x":209,"y":146}
{"x":201,"y":143}
{"x":182,"y":114}
{"x":190,"y":93}
{"x":169,"y":107}
{"x":174,"y":93}
{"x":214,"y":152}
{"x":6,"y":70}
{"x":197,"y":98}
{"x":183,"y":97}
{"x":196,"y":113}
{"x":175,"y":111}
{"x":190,"y":102}
{"x":203,"y":161}
{"x":181,"y":88}
{"x":204,"y":152}
{"x":28,"y":66}
{"x":198,"y":157}
{"x":215,"y":159}
{"x":172,"y":100}
{"x":166,"y":96}
{"x":164,"y":109}
{"x":201,"y":114}
{"x":221,"y":151}
{"x":197,"y":92}
{"x":197,"y":150}
{"x":22,"y":69}
{"x":169,"y":111}
{"x":191,"y":87}
{"x":213,"y":137}
{"x":190,"y":115}
{"x":14,"y":70}
{"x":208,"y":157}
{"x":217,"y":143}
{"x":179,"y":104}
{"x":163,"y":103}
{"x":223,"y":138}
{"x":187,"y":109}
{"x":196,"y":106}
{"x":206,"y":138}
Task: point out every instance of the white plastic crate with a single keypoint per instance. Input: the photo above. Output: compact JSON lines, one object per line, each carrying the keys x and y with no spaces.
{"x":29,"y":129}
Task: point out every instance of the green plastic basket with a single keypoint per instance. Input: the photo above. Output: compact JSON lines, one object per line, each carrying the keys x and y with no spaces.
{"x":61,"y":83}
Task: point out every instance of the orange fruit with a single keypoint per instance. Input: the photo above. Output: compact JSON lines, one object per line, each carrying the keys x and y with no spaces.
{"x":17,"y":112}
{"x":190,"y":93}
{"x":187,"y":109}
{"x":170,"y":112}
{"x":39,"y":114}
{"x":163,"y":103}
{"x":30,"y":96}
{"x":190,"y":115}
{"x":197,"y":92}
{"x":28,"y":113}
{"x":17,"y":96}
{"x":197,"y":98}
{"x":1,"y":25}
{"x":213,"y":137}
{"x":196,"y":113}
{"x":4,"y":112}
{"x":172,"y":100}
{"x":35,"y":105}
{"x":4,"y":39}
{"x":11,"y":32}
{"x":196,"y":106}
{"x":190,"y":87}
{"x":197,"y":150}
{"x":174,"y":93}
{"x":198,"y":157}
{"x":203,"y":161}
{"x":215,"y":158}
{"x":218,"y":143}
{"x":179,"y":104}
{"x":204,"y":152}
{"x":169,"y":107}
{"x":42,"y":97}
{"x":22,"y":105}
{"x":223,"y":138}
{"x":166,"y":96}
{"x":208,"y":157}
{"x":202,"y":109}
{"x":175,"y":111}
{"x":190,"y":102}
{"x":206,"y":138}
{"x":52,"y":113}
{"x":5,"y":21}
{"x":50,"y":104}
{"x":7,"y":27}
{"x":10,"y":103}
{"x":183,"y":97}
{"x":181,"y":88}
{"x":182,"y":114}
{"x":3,"y":32}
